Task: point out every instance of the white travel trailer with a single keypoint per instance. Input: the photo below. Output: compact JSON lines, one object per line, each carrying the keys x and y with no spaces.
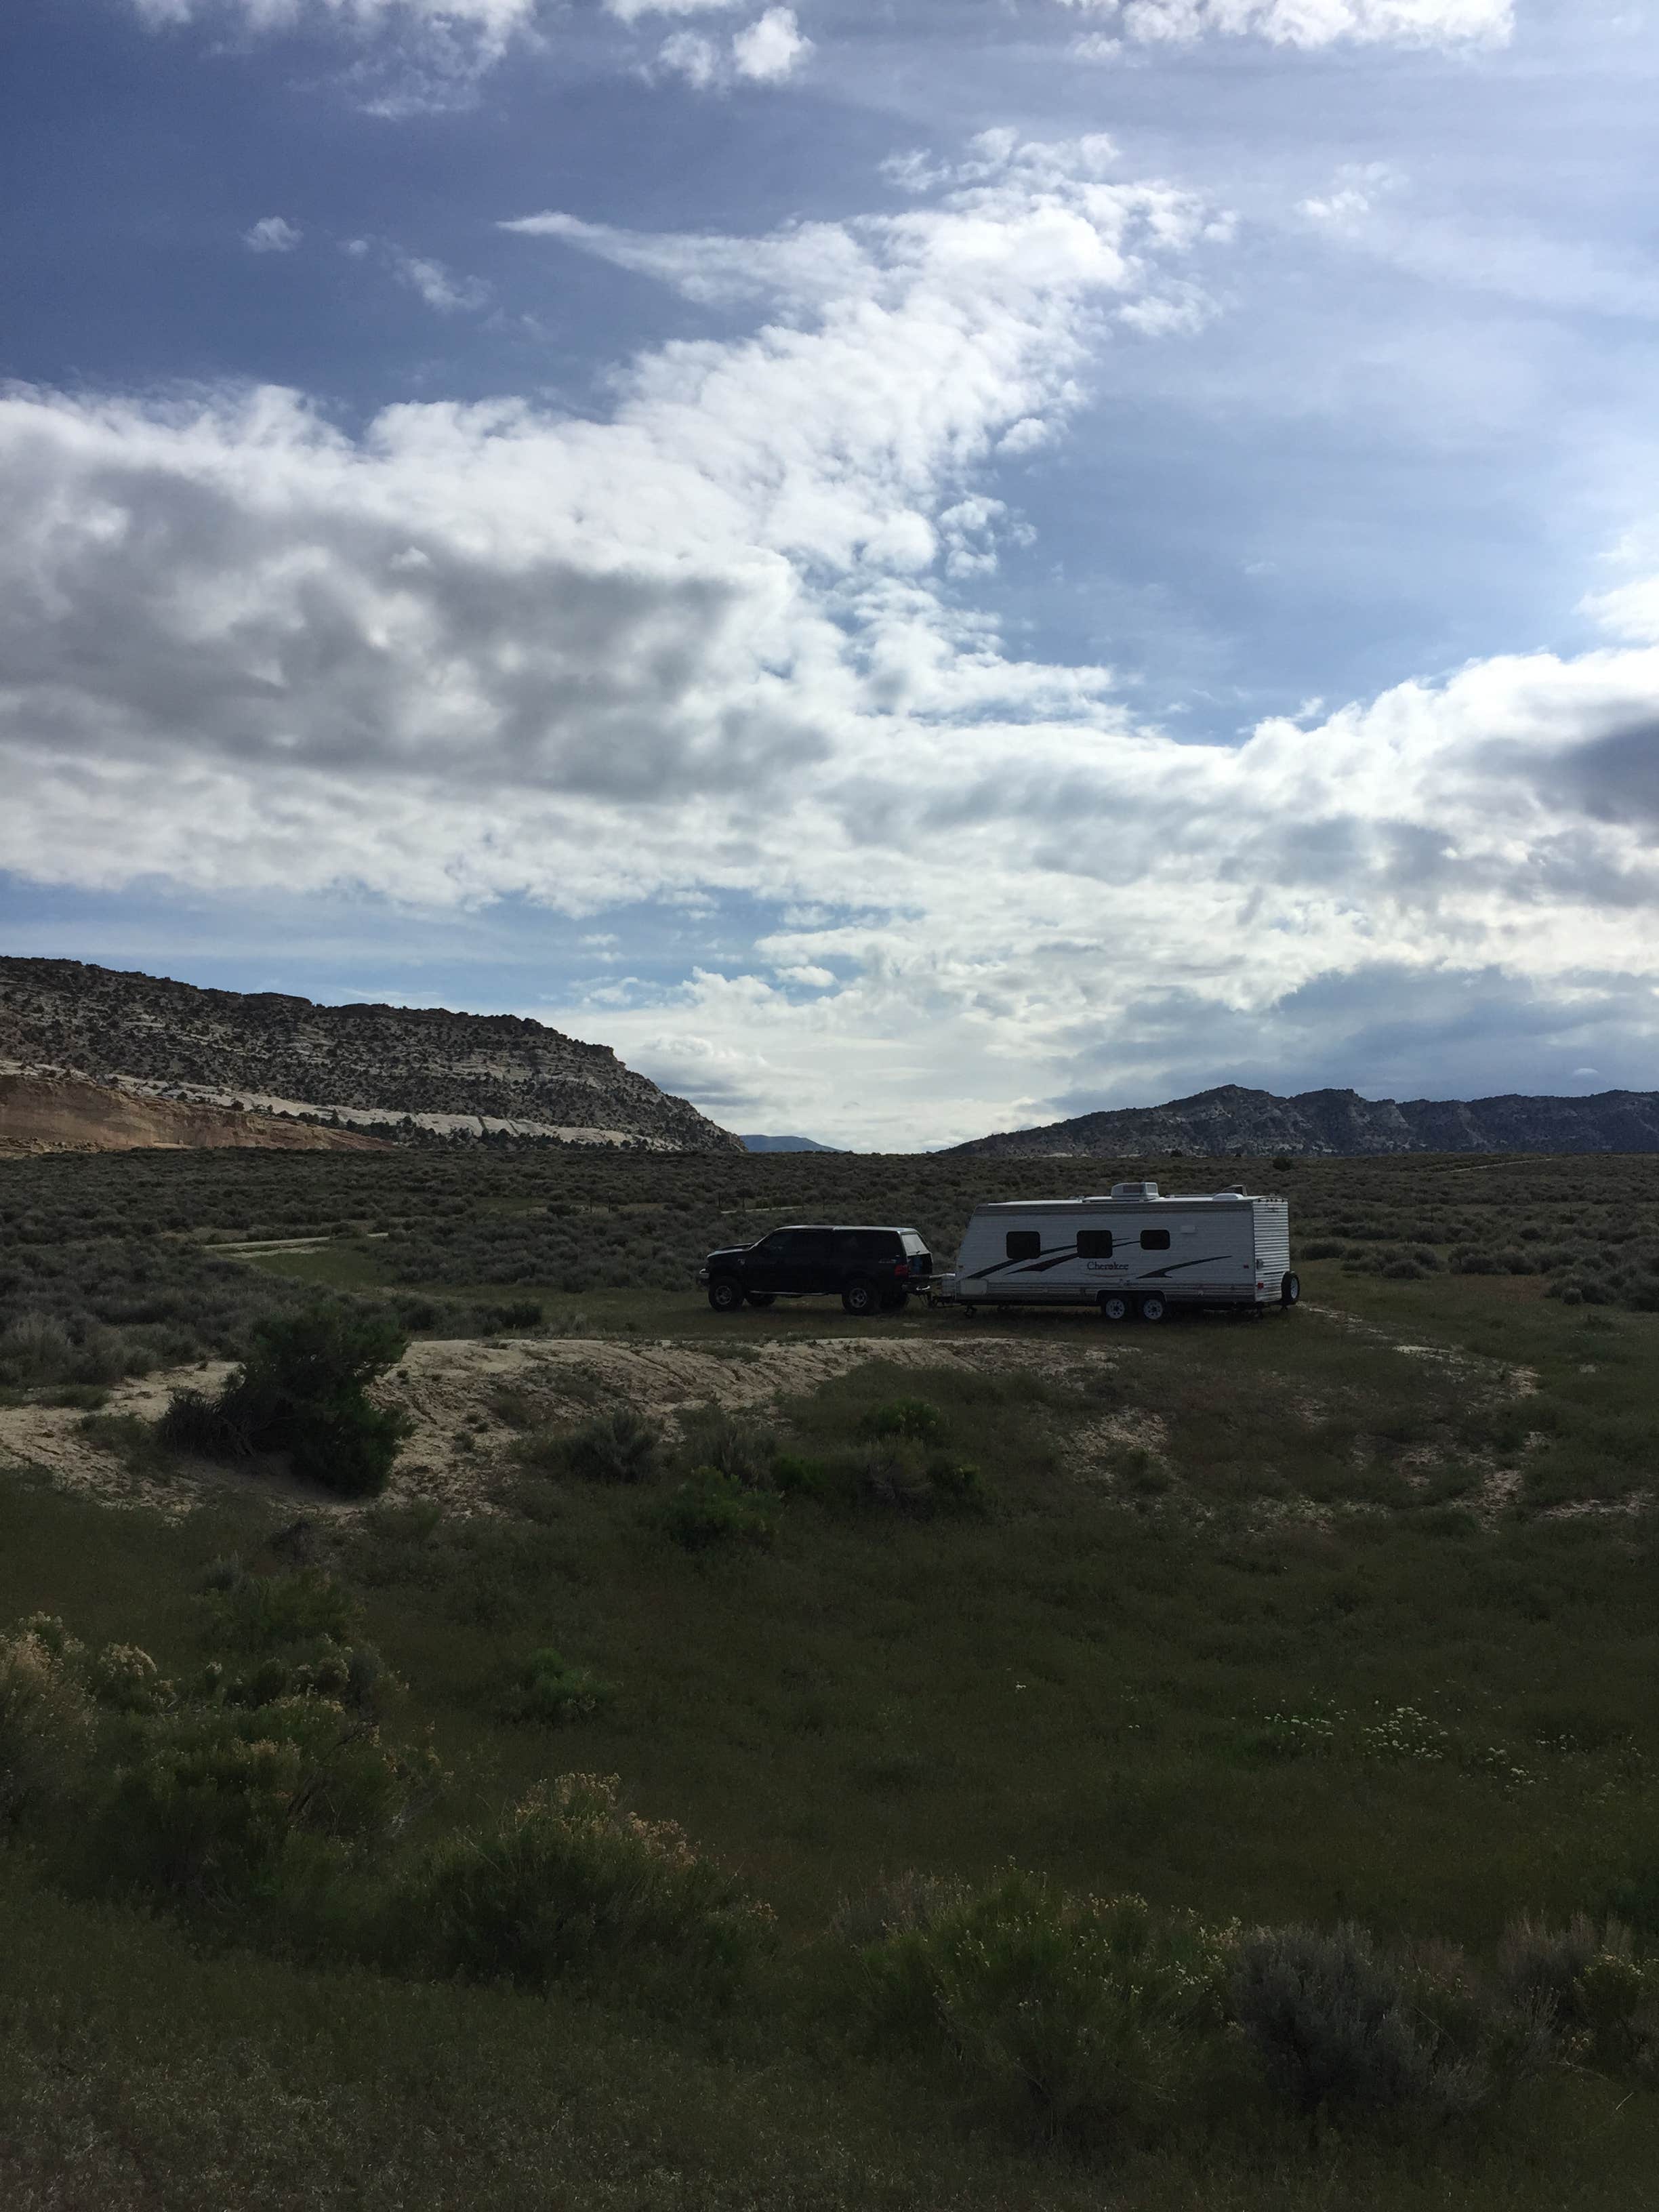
{"x":1132,"y":1252}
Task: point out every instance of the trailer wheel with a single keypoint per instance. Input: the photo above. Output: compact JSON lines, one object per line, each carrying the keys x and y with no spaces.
{"x":1114,"y":1306}
{"x":860,"y":1299}
{"x":1290,"y":1290}
{"x":725,"y":1295}
{"x":760,"y":1297}
{"x":1152,"y":1307}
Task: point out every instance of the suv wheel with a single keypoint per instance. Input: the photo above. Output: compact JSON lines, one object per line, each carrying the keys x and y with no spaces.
{"x":1152,"y":1307}
{"x":860,"y":1297}
{"x":725,"y":1295}
{"x":1290,"y":1290}
{"x":761,"y":1298}
{"x":1114,"y":1306}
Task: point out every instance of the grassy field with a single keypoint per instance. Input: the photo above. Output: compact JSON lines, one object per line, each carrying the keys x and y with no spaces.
{"x":1346,"y":1616}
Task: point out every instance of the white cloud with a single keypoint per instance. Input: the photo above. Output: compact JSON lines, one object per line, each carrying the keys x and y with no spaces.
{"x":710,"y":645}
{"x":629,"y":11}
{"x":441,"y":289}
{"x":771,"y":49}
{"x":689,"y":55}
{"x":1307,"y":23}
{"x":272,"y":234}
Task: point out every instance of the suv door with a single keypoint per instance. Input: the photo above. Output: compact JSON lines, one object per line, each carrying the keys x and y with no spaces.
{"x":813,"y":1261}
{"x":766,"y":1265}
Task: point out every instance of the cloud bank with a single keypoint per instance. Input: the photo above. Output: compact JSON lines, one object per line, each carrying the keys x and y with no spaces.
{"x":1307,"y":23}
{"x":714,"y":645}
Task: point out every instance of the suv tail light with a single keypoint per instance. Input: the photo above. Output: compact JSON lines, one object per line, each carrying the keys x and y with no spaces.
{"x":901,"y":1266}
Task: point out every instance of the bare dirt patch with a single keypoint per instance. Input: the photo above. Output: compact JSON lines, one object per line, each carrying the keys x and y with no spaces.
{"x":466,"y":1400}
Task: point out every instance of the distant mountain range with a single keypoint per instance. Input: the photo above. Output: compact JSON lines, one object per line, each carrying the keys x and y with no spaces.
{"x":386,"y":1071}
{"x":1232,"y":1119}
{"x":785,"y":1145}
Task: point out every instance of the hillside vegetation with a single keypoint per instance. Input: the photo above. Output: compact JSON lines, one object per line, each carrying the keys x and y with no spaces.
{"x":783,"y":1762}
{"x":378,"y":1068}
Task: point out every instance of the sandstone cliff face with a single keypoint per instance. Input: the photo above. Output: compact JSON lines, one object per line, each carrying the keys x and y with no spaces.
{"x":372,"y":1067}
{"x":1232,"y":1119}
{"x":60,"y":1113}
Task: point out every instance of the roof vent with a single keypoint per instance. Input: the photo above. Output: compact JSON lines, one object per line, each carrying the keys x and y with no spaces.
{"x":1127,"y":1193}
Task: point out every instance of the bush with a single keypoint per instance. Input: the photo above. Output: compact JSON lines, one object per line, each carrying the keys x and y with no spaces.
{"x":1584,"y":1981}
{"x":546,"y":1689}
{"x":1086,"y":2018}
{"x":912,"y":1417}
{"x":710,"y":1509}
{"x":223,"y":1807}
{"x":259,"y":1613}
{"x":569,"y":1884}
{"x":1335,"y":2028}
{"x":745,"y":1450}
{"x":620,"y":1446}
{"x":900,"y":1475}
{"x":302,"y":1390}
{"x":46,"y":1717}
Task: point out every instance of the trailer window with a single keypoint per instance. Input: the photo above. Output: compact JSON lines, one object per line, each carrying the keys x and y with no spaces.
{"x":1154,"y":1240}
{"x":1094,"y":1243}
{"x":1023,"y":1244}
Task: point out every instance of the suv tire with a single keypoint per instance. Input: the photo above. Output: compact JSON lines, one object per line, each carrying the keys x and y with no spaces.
{"x":1152,"y":1307}
{"x":725,"y":1294}
{"x":860,"y":1299}
{"x":1114,"y":1306}
{"x":761,"y":1298}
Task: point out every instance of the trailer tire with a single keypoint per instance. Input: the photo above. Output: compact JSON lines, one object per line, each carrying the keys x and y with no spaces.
{"x":1152,"y":1307}
{"x":1290,"y":1290}
{"x":760,"y":1297}
{"x":725,"y":1294}
{"x":860,"y":1299}
{"x":1114,"y":1306}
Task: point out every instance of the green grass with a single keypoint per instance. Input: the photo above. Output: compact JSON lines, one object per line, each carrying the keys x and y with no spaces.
{"x":1217,"y":1559}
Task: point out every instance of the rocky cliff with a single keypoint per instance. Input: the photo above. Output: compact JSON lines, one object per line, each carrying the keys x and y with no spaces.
{"x":370,"y":1068}
{"x":1231,"y":1120}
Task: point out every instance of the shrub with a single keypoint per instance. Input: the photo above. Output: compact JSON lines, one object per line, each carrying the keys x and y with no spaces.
{"x":135,"y":1442}
{"x":257,"y":1612}
{"x":900,"y":1475}
{"x":745,"y":1450}
{"x":223,"y":1807}
{"x":568,"y":1883}
{"x":1585,"y":1981}
{"x":913,"y":1417}
{"x":302,"y":1390}
{"x":1334,"y":2027}
{"x":710,"y":1509}
{"x":548,"y":1690}
{"x":46,"y":1717}
{"x":620,"y":1446}
{"x":1080,"y":2017}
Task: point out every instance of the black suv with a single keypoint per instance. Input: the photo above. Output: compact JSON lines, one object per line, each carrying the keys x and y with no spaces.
{"x":874,"y":1270}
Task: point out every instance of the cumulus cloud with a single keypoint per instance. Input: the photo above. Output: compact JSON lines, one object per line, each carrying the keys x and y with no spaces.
{"x":1306,"y":23}
{"x":272,"y":234}
{"x":712,"y":644}
{"x":771,"y":49}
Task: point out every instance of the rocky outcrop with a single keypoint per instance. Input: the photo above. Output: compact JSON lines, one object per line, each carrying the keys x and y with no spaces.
{"x":1232,"y":1119}
{"x":378,"y":1069}
{"x":60,"y":1114}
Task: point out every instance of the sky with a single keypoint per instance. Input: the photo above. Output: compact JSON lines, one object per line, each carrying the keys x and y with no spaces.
{"x":916,"y":569}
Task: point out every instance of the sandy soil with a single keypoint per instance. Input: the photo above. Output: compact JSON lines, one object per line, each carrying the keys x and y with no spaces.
{"x":451,"y":1390}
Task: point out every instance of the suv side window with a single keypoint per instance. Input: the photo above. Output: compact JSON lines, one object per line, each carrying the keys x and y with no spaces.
{"x":1094,"y":1243}
{"x":779,"y":1244}
{"x":1024,"y":1243}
